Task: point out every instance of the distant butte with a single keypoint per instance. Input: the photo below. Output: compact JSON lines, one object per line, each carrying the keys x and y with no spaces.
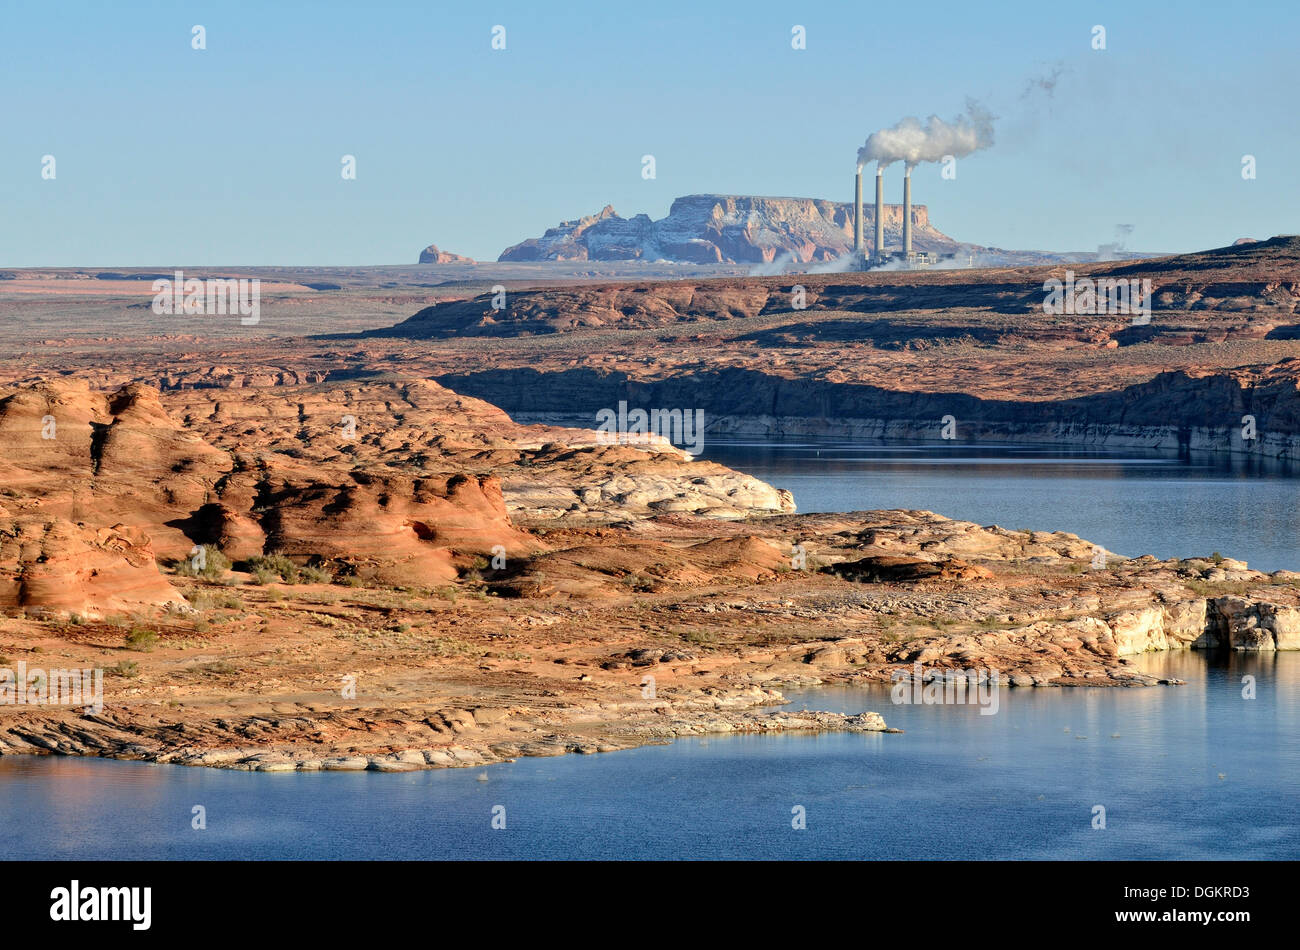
{"x":431,"y":255}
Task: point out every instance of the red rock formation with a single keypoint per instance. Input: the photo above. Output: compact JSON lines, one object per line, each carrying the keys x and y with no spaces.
{"x":396,"y":529}
{"x":95,"y":481}
{"x":60,"y":566}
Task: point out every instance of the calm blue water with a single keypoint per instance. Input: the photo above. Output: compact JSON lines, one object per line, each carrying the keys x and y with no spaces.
{"x":1130,"y":502}
{"x":1187,"y":772}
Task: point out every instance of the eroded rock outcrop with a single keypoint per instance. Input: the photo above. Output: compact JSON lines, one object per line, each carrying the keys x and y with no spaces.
{"x":1253,"y":625}
{"x":1233,"y":623}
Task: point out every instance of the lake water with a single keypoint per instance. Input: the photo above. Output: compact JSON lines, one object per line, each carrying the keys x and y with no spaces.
{"x":1130,"y":502}
{"x":1196,"y":771}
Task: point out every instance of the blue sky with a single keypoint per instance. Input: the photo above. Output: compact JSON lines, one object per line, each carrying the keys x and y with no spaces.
{"x":231,"y":155}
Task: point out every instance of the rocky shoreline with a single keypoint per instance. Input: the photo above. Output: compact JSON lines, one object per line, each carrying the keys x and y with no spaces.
{"x":1225,"y":440}
{"x":480,"y":735}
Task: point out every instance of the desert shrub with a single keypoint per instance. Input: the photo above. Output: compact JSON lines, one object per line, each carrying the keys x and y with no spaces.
{"x":447,"y":593}
{"x":141,"y":639}
{"x":315,"y":575}
{"x":127,"y":668}
{"x":702,"y":638}
{"x":276,"y":564}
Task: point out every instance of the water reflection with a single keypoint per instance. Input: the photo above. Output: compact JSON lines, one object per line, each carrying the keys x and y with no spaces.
{"x":1197,"y":771}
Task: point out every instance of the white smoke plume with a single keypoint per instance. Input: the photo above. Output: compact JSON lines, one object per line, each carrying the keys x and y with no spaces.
{"x":913,"y":141}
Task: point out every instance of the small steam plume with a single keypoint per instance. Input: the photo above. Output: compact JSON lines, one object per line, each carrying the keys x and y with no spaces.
{"x":1112,"y":251}
{"x":913,"y":141}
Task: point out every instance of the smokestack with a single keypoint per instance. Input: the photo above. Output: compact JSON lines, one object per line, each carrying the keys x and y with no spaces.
{"x":857,"y":214}
{"x":880,"y":214}
{"x":907,"y":214}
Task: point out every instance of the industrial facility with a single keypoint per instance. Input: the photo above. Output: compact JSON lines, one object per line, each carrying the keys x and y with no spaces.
{"x":879,"y":257}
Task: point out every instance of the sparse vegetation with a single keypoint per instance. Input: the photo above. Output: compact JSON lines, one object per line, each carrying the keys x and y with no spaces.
{"x":451,"y":647}
{"x":1212,"y":589}
{"x":208,"y":600}
{"x":321,"y":597}
{"x":219,"y":667}
{"x":699,"y":638}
